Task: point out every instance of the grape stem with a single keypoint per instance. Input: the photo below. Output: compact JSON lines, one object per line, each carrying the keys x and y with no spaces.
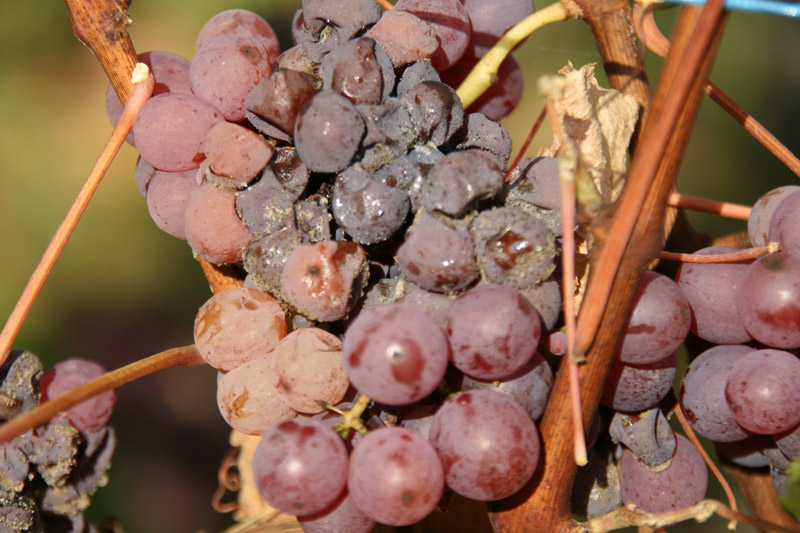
{"x":725,"y":209}
{"x":351,"y":419}
{"x":182,"y":356}
{"x":484,"y":74}
{"x":656,"y":42}
{"x":524,"y":147}
{"x":741,"y":255}
{"x":143,"y":84}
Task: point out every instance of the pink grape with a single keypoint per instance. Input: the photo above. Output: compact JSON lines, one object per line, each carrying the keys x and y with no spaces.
{"x":784,"y":226}
{"x":488,"y":444}
{"x":240,"y":22}
{"x":67,"y":375}
{"x":761,"y":214}
{"x":300,"y":467}
{"x":396,"y":477}
{"x":342,"y":515}
{"x":405,"y":37}
{"x":631,"y":388}
{"x":214,"y":230}
{"x":452,"y":25}
{"x":168,"y":196}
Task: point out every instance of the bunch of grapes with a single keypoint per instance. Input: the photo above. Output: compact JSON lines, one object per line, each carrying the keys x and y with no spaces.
{"x":395,"y":339}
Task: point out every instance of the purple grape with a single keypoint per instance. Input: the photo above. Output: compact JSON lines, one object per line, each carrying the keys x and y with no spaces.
{"x":493,"y":332}
{"x":405,"y":37}
{"x":360,"y":70}
{"x":395,"y":354}
{"x":513,"y":247}
{"x":711,"y":291}
{"x":451,"y":23}
{"x":459,"y":180}
{"x":329,"y":23}
{"x":761,"y":214}
{"x":535,"y":181}
{"x":300,"y":467}
{"x":784,"y":226}
{"x":746,"y":452}
{"x":266,"y":207}
{"x":279,"y":97}
{"x":488,"y":444}
{"x":367,"y":209}
{"x":389,"y":132}
{"x":768,"y":300}
{"x":328,"y":132}
{"x":659,"y":321}
{"x":762,"y":391}
{"x":437,"y":254}
{"x":90,"y":415}
{"x":396,"y":477}
{"x":491,"y":19}
{"x":171,"y":130}
{"x":702,"y":394}
{"x":342,"y":515}
{"x":530,"y":386}
{"x":681,"y":484}
{"x":225,"y":70}
{"x":416,"y":72}
{"x":595,"y":491}
{"x":789,"y":442}
{"x":482,"y":133}
{"x":633,"y":388}
{"x":435,"y":111}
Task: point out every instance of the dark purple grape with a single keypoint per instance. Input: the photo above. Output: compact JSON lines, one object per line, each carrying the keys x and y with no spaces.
{"x":746,"y":452}
{"x":367,"y":209}
{"x":451,"y":23}
{"x":634,"y":388}
{"x":647,"y":434}
{"x":761,"y":214}
{"x":493,"y":332}
{"x":596,"y":488}
{"x":328,"y":132}
{"x":459,"y":180}
{"x":415,"y":73}
{"x":711,"y":291}
{"x":488,"y":444}
{"x":491,"y":19}
{"x":768,"y":300}
{"x":279,"y":97}
{"x":90,"y":415}
{"x":437,"y":254}
{"x":784,"y":226}
{"x":762,"y":391}
{"x":535,"y":181}
{"x":435,"y":110}
{"x":395,"y":354}
{"x":396,"y":477}
{"x":360,"y":70}
{"x":702,"y":394}
{"x":530,"y":386}
{"x":300,"y":467}
{"x":266,"y":207}
{"x":513,"y":247}
{"x":405,"y":37}
{"x":681,"y":484}
{"x":489,"y":136}
{"x":659,"y":321}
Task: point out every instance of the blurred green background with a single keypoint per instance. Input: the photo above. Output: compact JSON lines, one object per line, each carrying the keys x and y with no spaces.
{"x":123,"y":289}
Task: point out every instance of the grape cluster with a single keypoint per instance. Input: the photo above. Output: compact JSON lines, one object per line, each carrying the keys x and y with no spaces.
{"x":390,"y":252}
{"x":48,"y":474}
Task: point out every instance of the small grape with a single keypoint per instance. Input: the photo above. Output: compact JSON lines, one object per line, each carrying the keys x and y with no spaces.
{"x":90,"y":415}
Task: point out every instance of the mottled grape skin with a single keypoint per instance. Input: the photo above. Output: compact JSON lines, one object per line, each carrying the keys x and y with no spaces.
{"x":168,"y":196}
{"x":768,"y":300}
{"x":437,"y":254}
{"x":213,"y":229}
{"x":307,"y":370}
{"x":702,"y":394}
{"x":225,"y":70}
{"x":491,"y":19}
{"x":396,"y":477}
{"x":681,"y":484}
{"x":762,"y":391}
{"x":367,"y":209}
{"x":238,"y":325}
{"x":659,"y":321}
{"x":493,"y":332}
{"x":265,"y":258}
{"x":300,"y":467}
{"x":711,"y":291}
{"x":324,"y":280}
{"x":761,"y":214}
{"x":415,"y":74}
{"x":240,"y":22}
{"x":395,"y":354}
{"x":452,"y":25}
{"x":87,"y":416}
{"x":248,"y":400}
{"x":647,"y":434}
{"x":633,"y":388}
{"x":488,"y":444}
{"x":482,"y":133}
{"x":328,"y":132}
{"x":171,"y":129}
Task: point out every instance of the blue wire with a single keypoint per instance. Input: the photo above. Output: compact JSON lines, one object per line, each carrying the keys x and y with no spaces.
{"x":783,"y":9}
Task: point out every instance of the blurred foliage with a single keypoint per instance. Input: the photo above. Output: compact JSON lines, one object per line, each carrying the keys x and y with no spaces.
{"x":124,"y":290}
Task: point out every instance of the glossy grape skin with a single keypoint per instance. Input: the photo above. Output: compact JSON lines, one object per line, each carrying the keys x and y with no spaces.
{"x":395,"y":354}
{"x":396,"y":477}
{"x":768,"y":300}
{"x":300,"y":467}
{"x":488,"y":444}
{"x":405,"y":37}
{"x":762,"y":391}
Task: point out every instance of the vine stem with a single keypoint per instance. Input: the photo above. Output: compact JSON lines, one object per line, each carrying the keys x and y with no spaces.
{"x":142,"y":82}
{"x":725,"y":209}
{"x":182,"y":356}
{"x":484,"y":74}
{"x":741,"y":255}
